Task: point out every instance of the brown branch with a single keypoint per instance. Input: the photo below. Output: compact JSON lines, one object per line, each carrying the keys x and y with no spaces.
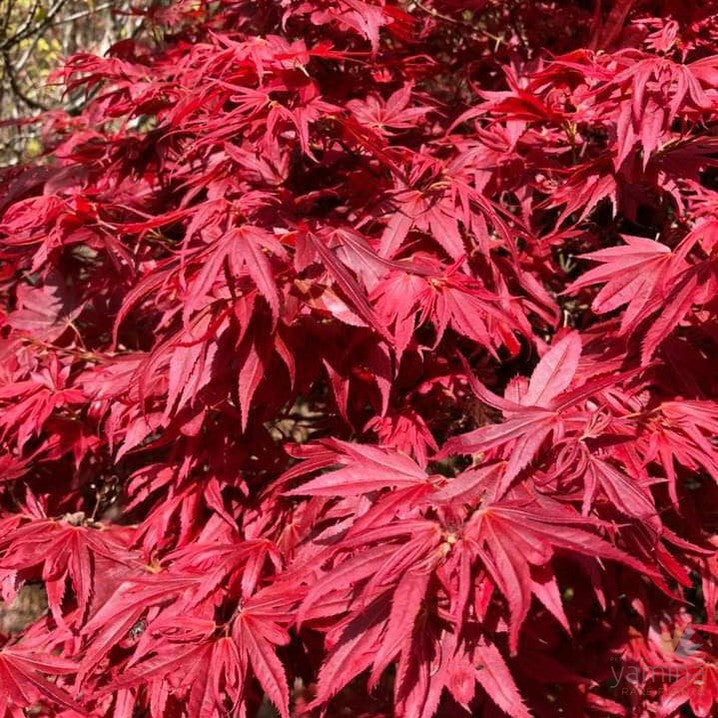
{"x":15,"y":86}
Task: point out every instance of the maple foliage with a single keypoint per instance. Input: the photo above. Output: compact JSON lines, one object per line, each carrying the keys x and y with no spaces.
{"x":357,"y":357}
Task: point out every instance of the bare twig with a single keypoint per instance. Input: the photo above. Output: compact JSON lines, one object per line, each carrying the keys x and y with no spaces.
{"x":85,"y":13}
{"x":15,"y":86}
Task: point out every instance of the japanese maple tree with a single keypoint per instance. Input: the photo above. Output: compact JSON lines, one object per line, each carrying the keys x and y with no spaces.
{"x":358,"y":357}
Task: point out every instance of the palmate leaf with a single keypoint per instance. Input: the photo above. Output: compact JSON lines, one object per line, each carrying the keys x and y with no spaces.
{"x":367,"y":469}
{"x":23,"y":681}
{"x":64,"y":551}
{"x":513,"y":535}
{"x":531,"y":421}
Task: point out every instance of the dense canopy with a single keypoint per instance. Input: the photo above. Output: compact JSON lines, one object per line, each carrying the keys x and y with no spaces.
{"x":358,"y":357}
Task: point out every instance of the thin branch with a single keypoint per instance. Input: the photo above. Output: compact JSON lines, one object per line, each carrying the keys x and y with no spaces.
{"x":17,"y":90}
{"x":11,"y":40}
{"x":83,"y":14}
{"x":476,"y":33}
{"x":27,"y":30}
